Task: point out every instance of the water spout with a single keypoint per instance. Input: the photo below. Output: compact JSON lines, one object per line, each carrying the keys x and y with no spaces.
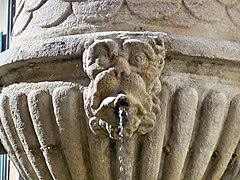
{"x":122,"y":114}
{"x":121,"y":103}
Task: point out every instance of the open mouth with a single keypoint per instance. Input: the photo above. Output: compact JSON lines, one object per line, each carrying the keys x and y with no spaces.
{"x":129,"y":107}
{"x":121,"y":100}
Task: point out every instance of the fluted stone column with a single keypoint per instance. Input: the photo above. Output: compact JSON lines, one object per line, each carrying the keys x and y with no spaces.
{"x":177,"y":61}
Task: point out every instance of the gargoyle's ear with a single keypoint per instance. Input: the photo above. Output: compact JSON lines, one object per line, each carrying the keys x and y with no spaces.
{"x":110,"y":46}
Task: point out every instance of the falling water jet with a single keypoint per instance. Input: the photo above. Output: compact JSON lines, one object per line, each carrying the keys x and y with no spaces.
{"x":121,"y":144}
{"x":121,"y":105}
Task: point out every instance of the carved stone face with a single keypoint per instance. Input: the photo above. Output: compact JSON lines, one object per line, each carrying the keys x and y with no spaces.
{"x":131,"y":65}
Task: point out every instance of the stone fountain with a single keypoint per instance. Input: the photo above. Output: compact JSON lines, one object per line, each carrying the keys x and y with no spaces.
{"x":177,"y":62}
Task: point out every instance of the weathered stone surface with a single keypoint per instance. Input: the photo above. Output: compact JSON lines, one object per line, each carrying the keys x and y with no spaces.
{"x":131,"y":64}
{"x":55,"y":12}
{"x":185,"y":108}
{"x":34,"y":61}
{"x":32,"y":5}
{"x":96,"y":11}
{"x":159,"y":9}
{"x":234,"y":12}
{"x":210,"y":18}
{"x":62,"y":76}
{"x":191,"y":123}
{"x":203,"y":10}
{"x":44,"y":125}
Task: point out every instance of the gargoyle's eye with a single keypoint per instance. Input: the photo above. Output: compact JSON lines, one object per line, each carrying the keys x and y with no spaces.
{"x":139,"y":59}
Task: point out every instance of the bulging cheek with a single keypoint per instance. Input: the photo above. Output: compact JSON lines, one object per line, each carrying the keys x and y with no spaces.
{"x":134,"y":81}
{"x":104,"y":85}
{"x":105,"y":77}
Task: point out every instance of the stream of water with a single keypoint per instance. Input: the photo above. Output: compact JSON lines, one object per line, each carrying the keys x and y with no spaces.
{"x":122,"y":116}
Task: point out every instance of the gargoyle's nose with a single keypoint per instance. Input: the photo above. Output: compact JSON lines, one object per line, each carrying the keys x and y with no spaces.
{"x":122,"y":67}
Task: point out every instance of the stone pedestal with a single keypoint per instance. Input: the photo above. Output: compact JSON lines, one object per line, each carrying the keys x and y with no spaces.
{"x":177,"y":62}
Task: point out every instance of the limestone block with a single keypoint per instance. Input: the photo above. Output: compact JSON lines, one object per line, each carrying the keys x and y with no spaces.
{"x":96,"y":11}
{"x":183,"y":89}
{"x":209,"y":18}
{"x":159,"y":9}
{"x":74,"y":64}
{"x":195,"y":136}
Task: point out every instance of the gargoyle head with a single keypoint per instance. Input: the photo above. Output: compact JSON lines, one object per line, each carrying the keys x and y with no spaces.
{"x":129,"y":64}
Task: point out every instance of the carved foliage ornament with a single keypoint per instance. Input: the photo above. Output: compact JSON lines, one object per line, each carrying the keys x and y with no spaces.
{"x":133,"y":65}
